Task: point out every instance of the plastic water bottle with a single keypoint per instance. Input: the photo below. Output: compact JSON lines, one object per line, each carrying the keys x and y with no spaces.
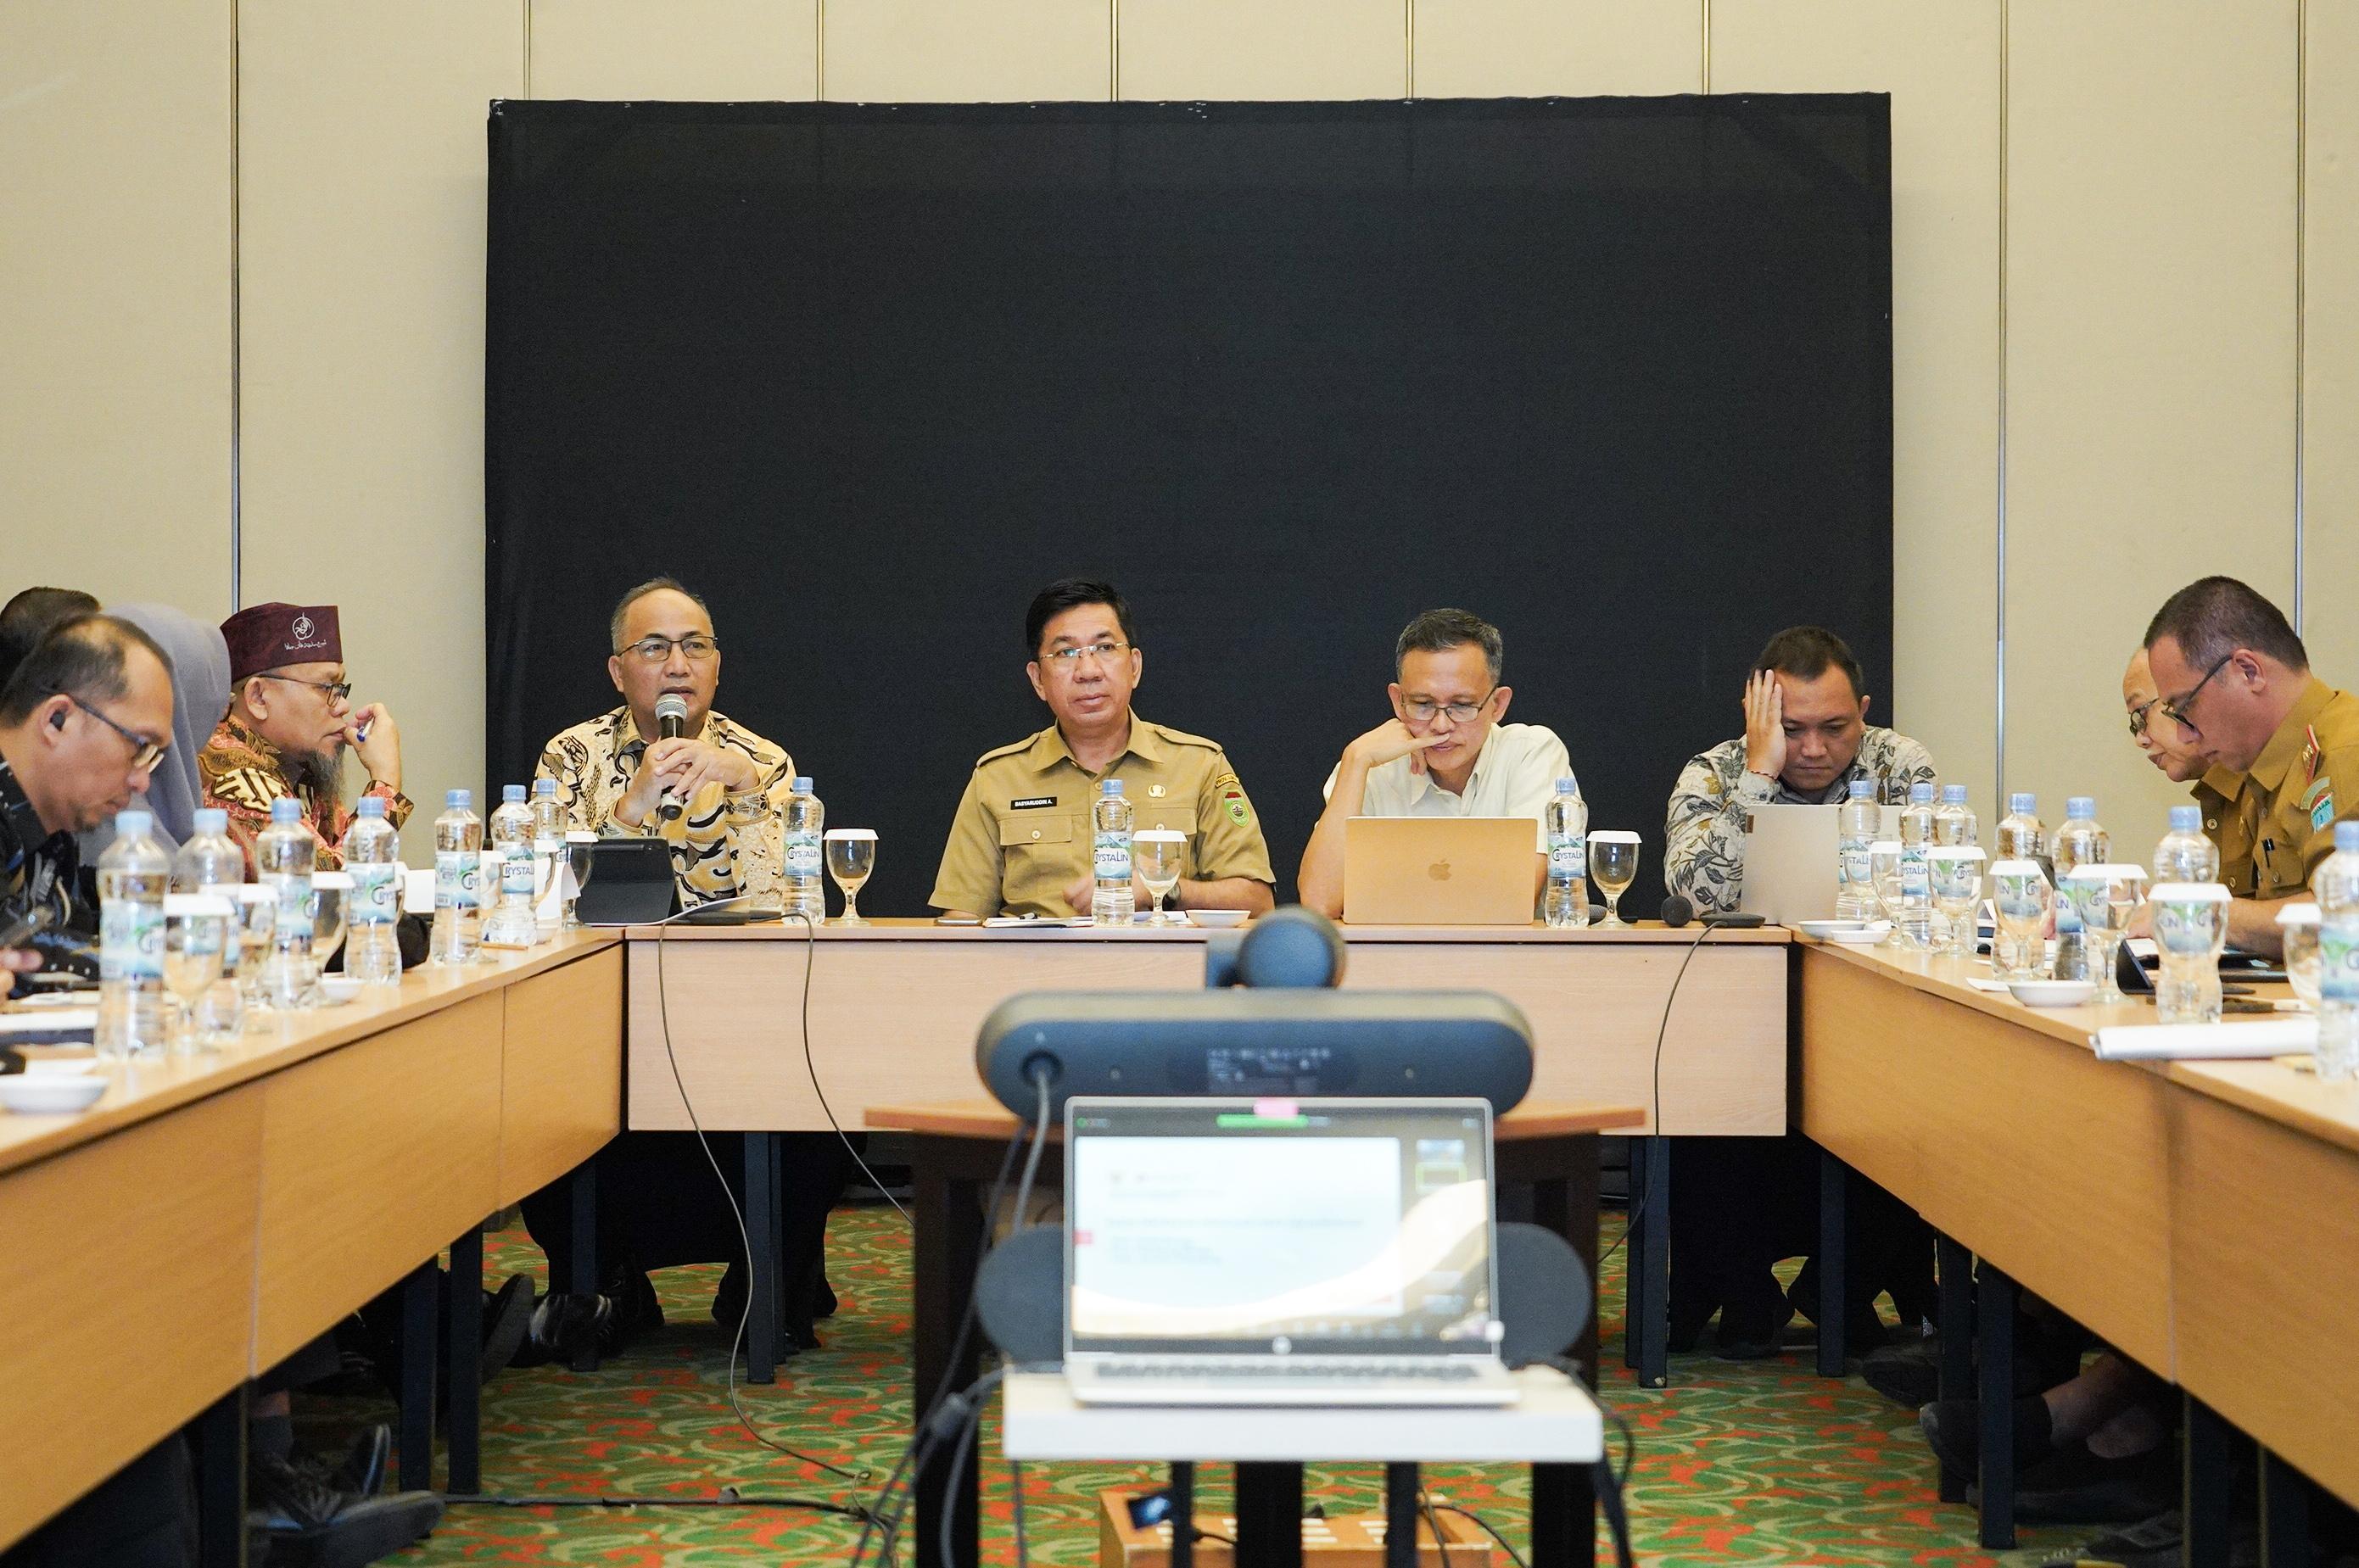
{"x":1110,"y":818}
{"x":373,"y":855}
{"x":284,"y":859}
{"x":134,"y":873}
{"x":1859,"y":825}
{"x":457,"y":897}
{"x":547,"y":853}
{"x":1955,"y":823}
{"x":1567,"y":906}
{"x":804,"y":885}
{"x":2337,"y":887}
{"x":2079,"y":842}
{"x":1916,"y":876}
{"x":2185,"y":855}
{"x":2020,"y":834}
{"x":211,"y":863}
{"x":512,"y":923}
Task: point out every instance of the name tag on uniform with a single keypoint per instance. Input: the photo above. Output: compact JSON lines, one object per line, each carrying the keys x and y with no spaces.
{"x":1029,"y":802}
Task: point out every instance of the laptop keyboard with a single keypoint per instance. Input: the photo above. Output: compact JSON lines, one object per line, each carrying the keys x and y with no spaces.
{"x":1393,"y":1371}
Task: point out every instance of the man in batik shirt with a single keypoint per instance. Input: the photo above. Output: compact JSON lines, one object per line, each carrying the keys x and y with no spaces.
{"x":290,"y":723}
{"x":612,"y":778}
{"x":1806,"y":738}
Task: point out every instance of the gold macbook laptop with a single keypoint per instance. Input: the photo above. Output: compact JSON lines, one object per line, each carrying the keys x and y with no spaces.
{"x":1439,"y":870}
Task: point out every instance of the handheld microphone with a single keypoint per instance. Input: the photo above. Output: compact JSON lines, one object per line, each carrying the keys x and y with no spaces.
{"x":672,"y":718}
{"x":1677,"y":911}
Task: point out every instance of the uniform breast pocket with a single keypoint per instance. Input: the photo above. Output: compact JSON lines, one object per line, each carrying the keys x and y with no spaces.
{"x":1039,"y":832}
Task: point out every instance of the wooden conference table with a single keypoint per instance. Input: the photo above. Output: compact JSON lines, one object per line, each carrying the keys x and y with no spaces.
{"x":892,"y":1009}
{"x":2200,"y":1216}
{"x":212,"y":1214}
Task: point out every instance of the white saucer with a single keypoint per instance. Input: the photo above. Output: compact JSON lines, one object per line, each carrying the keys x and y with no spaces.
{"x":1866,"y":936}
{"x":337,"y":989}
{"x":1219,"y":916}
{"x":51,"y":1094}
{"x":1829,"y":930}
{"x":2053,"y":993}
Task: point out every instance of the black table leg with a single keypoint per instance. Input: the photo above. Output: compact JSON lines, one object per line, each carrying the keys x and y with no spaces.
{"x":220,"y":1442}
{"x":1565,"y":1201}
{"x":462,"y":1361}
{"x":2285,"y":1514}
{"x":1995,"y":1346}
{"x":945,"y":1251}
{"x":1269,"y":1516}
{"x":414,"y":1456}
{"x":1633,"y":1249}
{"x":1181,"y":1489}
{"x":2207,"y":1487}
{"x":582,"y":1187}
{"x":1564,"y":1516}
{"x":1833,"y":1229}
{"x":1654,"y":1306}
{"x":761,"y":1263}
{"x":1956,"y":1329}
{"x":1401,"y":1517}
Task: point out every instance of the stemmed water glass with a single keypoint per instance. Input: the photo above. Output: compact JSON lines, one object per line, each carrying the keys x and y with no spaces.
{"x":851,"y":860}
{"x":2298,"y":921}
{"x":1613,"y":866}
{"x":331,"y":903}
{"x":1883,"y":858}
{"x":1156,"y":854}
{"x":257,"y":908}
{"x":196,"y":946}
{"x":2023,"y":899}
{"x":1955,"y":872}
{"x":2105,"y":894}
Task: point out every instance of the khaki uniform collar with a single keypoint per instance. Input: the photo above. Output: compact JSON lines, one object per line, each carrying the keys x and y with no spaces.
{"x":1048,"y":748}
{"x":2284,"y":748}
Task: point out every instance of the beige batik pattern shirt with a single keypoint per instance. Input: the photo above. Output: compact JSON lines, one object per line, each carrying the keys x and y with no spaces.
{"x":722,"y":845}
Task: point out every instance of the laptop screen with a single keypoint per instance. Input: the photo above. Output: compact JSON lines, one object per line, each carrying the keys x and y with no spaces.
{"x":1305,"y":1226}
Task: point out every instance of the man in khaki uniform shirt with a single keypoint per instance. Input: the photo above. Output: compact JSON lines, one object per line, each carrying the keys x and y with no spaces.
{"x":1021,"y":842}
{"x":2162,"y":744}
{"x":2281,"y":746}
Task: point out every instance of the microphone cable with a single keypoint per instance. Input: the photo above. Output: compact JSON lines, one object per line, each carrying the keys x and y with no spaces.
{"x":1655,"y":1113}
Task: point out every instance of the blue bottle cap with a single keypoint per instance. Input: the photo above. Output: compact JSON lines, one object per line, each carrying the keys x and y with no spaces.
{"x":2081,"y":805}
{"x":1110,"y":786}
{"x":1567,"y":785}
{"x":286,"y":808}
{"x":2023,"y":802}
{"x":212,"y":819}
{"x":1862,"y":789}
{"x":370,"y":806}
{"x":1919,"y":793}
{"x":2346,"y":837}
{"x":511,"y":795}
{"x":458,"y":799}
{"x":2187,"y":819}
{"x":136,"y":824}
{"x":1953,"y":795}
{"x":803,"y":784}
{"x":544,"y":786}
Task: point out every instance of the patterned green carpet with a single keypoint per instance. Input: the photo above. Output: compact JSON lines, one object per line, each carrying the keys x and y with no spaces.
{"x":1754,"y":1462}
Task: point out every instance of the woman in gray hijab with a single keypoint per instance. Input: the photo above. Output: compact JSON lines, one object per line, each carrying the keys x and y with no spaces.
{"x":200,"y":698}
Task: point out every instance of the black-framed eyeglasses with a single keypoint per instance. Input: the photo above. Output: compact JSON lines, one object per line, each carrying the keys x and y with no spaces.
{"x":698,"y":645}
{"x":1071,"y":658}
{"x":2175,"y":707}
{"x":1422,"y":710}
{"x":337,"y":691}
{"x":145,"y":753}
{"x":2138,"y":717}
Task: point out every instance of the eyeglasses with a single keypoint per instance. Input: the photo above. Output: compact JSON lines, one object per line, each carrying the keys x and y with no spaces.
{"x":145,"y":753}
{"x":1071,"y":658}
{"x":698,"y":645}
{"x":1422,"y":710}
{"x":337,"y":691}
{"x":2137,"y":718}
{"x":2175,"y":707}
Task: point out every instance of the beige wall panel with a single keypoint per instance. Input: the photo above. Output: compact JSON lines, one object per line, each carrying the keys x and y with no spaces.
{"x":1535,"y":48}
{"x":967,"y":51}
{"x":1941,"y":63}
{"x":2150,"y":357}
{"x":362,"y":251}
{"x":696,"y":51}
{"x":2331,"y":353}
{"x":115,"y":299}
{"x":1257,"y":49}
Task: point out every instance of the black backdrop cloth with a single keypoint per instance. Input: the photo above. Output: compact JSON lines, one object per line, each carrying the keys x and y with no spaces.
{"x":1613,"y":374}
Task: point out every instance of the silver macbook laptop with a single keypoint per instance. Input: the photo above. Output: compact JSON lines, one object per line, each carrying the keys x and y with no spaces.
{"x":1263,"y":1252}
{"x":1790,"y":860}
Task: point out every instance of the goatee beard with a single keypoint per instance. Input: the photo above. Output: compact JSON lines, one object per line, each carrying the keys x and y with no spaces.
{"x":318,"y":775}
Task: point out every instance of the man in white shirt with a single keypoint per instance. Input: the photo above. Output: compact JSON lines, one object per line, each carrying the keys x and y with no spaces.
{"x":1444,"y":752}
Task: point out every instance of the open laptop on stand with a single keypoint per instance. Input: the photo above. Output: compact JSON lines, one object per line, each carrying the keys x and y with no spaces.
{"x":1439,"y":870}
{"x":1790,"y":860}
{"x":1281,"y":1253}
